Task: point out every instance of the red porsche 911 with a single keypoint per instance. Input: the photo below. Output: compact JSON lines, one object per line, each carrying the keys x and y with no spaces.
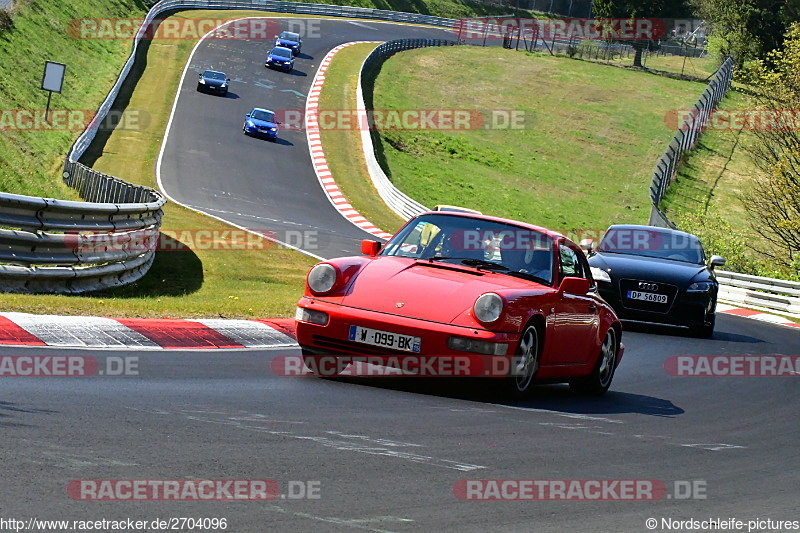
{"x":515,"y":298}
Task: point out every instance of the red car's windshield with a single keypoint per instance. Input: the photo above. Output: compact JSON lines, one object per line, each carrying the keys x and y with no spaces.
{"x":476,"y":242}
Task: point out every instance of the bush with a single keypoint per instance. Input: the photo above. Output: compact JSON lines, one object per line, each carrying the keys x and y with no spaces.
{"x":720,"y":238}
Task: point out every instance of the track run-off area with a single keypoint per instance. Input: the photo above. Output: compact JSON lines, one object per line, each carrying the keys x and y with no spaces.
{"x":380,"y":454}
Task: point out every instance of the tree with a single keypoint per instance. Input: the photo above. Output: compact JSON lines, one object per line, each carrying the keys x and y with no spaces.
{"x":773,"y":201}
{"x":663,"y":9}
{"x":747,"y":29}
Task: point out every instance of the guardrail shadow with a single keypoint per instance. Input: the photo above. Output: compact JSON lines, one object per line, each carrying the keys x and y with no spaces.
{"x":95,"y":149}
{"x":176,"y":271}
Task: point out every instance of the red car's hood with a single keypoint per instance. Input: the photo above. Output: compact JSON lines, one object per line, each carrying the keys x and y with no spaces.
{"x":431,"y":291}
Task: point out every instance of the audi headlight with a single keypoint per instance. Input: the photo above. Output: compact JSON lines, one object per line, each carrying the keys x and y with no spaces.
{"x":600,"y":275}
{"x":273,"y":129}
{"x":487,"y":307}
{"x":322,"y":278}
{"x":202,"y":81}
{"x":700,"y":286}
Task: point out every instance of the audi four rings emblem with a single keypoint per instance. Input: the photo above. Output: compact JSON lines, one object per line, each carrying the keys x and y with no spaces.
{"x":648,"y":286}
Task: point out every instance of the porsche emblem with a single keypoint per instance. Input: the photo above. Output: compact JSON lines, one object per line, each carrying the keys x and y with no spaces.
{"x":399,"y":304}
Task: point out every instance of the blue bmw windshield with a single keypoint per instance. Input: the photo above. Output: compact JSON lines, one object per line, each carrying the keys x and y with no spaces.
{"x":266,"y":116}
{"x":282,"y":52}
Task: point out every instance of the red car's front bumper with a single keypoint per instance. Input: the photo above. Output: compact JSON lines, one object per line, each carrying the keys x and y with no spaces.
{"x":333,"y":338}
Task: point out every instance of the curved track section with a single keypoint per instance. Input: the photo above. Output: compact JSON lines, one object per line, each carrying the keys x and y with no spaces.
{"x":207,"y":164}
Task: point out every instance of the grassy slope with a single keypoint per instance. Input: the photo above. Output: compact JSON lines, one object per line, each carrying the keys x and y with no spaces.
{"x":583,"y":160}
{"x":32,"y":160}
{"x":716,"y":172}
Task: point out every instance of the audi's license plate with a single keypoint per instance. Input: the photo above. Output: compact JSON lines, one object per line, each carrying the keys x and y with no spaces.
{"x":648,"y":297}
{"x":376,"y":337}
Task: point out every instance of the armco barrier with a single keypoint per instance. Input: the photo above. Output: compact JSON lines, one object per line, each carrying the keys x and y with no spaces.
{"x":685,"y":139}
{"x":758,"y":292}
{"x":402,"y":204}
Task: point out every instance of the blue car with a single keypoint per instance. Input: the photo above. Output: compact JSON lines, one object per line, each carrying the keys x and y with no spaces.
{"x":280,"y":58}
{"x":261,"y":122}
{"x":213,"y":82}
{"x":289,"y":40}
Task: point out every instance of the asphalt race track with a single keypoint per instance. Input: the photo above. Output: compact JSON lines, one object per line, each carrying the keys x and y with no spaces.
{"x":382,"y":455}
{"x":208,"y":164}
{"x":387,"y":452}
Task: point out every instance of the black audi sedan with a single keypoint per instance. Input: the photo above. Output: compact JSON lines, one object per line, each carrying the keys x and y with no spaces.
{"x":656,"y":275}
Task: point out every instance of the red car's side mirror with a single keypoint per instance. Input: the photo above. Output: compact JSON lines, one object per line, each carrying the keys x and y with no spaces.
{"x":370,"y":248}
{"x":577,"y":286}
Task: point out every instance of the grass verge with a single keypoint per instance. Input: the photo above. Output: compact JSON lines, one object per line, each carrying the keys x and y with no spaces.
{"x":715,"y":173}
{"x":582,"y":158}
{"x":343,"y":149}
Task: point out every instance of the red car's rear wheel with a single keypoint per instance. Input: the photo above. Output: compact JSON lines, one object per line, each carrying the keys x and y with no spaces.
{"x":525,"y":362}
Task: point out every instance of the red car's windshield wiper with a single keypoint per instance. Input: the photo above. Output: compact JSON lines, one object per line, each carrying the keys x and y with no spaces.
{"x":480,"y":263}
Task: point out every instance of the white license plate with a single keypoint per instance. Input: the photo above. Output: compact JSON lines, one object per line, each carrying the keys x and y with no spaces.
{"x":386,"y":339}
{"x":648,"y":297}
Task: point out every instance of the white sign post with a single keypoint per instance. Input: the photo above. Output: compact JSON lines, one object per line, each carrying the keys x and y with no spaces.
{"x":52,"y":81}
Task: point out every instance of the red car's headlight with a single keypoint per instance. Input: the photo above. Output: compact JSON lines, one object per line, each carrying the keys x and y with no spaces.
{"x":322,"y":278}
{"x":488,"y":307}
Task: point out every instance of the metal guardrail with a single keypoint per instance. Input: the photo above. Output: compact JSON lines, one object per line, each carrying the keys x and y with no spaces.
{"x":685,"y":139}
{"x":759,"y":292}
{"x":399,"y":202}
